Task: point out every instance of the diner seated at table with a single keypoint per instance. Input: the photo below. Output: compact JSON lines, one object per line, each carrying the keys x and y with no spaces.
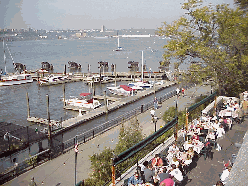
{"x":173,"y":149}
{"x":167,"y":182}
{"x":147,"y":174}
{"x":195,"y":137}
{"x":135,"y":179}
{"x":157,"y":161}
{"x":176,"y":172}
{"x":162,"y":175}
{"x":191,"y":152}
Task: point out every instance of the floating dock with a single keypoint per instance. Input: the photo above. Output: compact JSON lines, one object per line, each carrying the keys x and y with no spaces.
{"x":72,"y":122}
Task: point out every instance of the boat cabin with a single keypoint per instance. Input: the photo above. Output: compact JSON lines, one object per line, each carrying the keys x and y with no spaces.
{"x":47,"y":66}
{"x":73,"y":65}
{"x":87,"y":96}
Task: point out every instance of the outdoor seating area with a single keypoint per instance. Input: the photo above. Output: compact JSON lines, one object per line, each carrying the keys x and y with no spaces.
{"x":172,"y":165}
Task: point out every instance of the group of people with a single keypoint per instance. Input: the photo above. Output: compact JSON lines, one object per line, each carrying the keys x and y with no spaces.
{"x":160,"y":171}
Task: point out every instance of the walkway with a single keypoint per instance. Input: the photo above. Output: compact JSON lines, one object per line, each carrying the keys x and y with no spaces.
{"x":61,"y":169}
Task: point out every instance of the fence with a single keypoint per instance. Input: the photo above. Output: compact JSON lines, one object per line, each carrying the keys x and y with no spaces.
{"x":63,"y":147}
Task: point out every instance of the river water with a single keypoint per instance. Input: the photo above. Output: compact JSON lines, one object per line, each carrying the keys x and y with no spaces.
{"x":58,"y":52}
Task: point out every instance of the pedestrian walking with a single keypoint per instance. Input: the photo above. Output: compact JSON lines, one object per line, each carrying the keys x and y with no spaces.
{"x":155,"y":103}
{"x":32,"y":182}
{"x":177,"y":91}
{"x":183,"y":90}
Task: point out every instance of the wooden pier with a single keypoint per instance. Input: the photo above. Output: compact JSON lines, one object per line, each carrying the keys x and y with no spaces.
{"x":72,"y":122}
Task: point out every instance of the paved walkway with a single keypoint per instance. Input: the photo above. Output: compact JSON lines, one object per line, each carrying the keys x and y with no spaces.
{"x":60,"y":171}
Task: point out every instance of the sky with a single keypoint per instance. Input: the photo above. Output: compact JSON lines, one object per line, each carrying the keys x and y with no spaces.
{"x":91,"y":14}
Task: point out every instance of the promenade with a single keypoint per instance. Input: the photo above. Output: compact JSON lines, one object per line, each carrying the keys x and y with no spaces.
{"x":60,"y":171}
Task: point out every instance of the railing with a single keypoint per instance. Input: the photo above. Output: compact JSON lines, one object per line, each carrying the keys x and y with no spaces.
{"x":25,"y":165}
{"x":82,"y":138}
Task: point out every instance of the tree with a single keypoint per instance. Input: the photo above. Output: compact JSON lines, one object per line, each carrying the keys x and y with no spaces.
{"x":217,"y":37}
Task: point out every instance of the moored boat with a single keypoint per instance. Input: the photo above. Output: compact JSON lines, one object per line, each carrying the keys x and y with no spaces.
{"x":85,"y":100}
{"x":8,"y":80}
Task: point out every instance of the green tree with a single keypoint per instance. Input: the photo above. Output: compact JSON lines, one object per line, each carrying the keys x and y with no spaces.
{"x":101,"y":163}
{"x":216,"y":36}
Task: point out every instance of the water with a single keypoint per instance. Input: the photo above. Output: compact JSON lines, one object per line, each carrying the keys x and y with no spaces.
{"x":84,"y":51}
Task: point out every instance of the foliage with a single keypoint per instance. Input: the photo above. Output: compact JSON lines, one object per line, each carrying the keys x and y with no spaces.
{"x":215,"y":36}
{"x":32,"y":160}
{"x":101,"y":163}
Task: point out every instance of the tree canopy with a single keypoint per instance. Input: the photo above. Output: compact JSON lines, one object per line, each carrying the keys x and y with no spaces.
{"x":217,"y":37}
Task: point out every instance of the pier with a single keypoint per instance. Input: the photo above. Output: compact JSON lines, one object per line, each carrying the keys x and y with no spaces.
{"x":73,"y":122}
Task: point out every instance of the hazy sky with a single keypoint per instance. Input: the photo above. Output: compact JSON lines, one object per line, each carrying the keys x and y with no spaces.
{"x":83,"y":14}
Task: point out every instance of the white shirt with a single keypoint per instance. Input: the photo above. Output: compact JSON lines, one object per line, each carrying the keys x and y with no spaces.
{"x":224,"y":175}
{"x":220,"y":132}
{"x":152,"y":112}
{"x":177,"y":174}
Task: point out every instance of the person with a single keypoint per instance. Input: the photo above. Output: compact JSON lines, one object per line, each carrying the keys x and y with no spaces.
{"x":134,"y":180}
{"x":162,"y":175}
{"x":155,"y":103}
{"x":176,"y":173}
{"x":220,"y":131}
{"x":183,"y":90}
{"x":167,"y":182}
{"x":173,"y":149}
{"x":32,"y":182}
{"x":152,"y":113}
{"x":148,"y":174}
{"x":225,"y":174}
{"x":195,"y":137}
{"x":177,"y":91}
{"x":157,"y":161}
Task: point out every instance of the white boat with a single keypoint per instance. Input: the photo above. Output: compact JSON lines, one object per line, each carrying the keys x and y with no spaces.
{"x":85,"y":100}
{"x":16,"y":79}
{"x":52,"y":80}
{"x":122,"y":90}
{"x":8,"y":80}
{"x":140,"y":84}
{"x":119,"y":47}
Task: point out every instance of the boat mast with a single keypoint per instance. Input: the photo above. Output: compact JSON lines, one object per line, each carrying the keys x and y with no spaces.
{"x":142,"y":66}
{"x":118,"y":41}
{"x":4,"y":58}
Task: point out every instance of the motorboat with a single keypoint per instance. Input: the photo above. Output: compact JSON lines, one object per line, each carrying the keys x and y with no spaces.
{"x":8,"y":80}
{"x":52,"y":80}
{"x":140,"y":84}
{"x":85,"y":100}
{"x":123,"y":90}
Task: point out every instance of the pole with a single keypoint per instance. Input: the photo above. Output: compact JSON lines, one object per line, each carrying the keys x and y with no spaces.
{"x":106,"y":109}
{"x":76,"y":153}
{"x":28,"y":137}
{"x":28,"y":108}
{"x":49,"y":127}
{"x":113,"y":174}
{"x":64,"y":95}
{"x":187,"y":114}
{"x":142,"y":66}
{"x":65,"y":71}
{"x":176,"y":127}
{"x":115,"y":75}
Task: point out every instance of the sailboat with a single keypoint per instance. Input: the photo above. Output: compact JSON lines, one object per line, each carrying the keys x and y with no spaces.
{"x":119,"y":47}
{"x":7,"y":80}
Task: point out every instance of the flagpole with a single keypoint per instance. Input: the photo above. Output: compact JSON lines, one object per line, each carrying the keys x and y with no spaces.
{"x":76,"y":152}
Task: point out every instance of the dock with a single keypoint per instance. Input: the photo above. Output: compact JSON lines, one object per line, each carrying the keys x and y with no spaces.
{"x":72,"y":122}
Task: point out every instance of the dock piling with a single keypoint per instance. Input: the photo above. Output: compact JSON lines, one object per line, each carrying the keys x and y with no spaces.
{"x":28,"y":108}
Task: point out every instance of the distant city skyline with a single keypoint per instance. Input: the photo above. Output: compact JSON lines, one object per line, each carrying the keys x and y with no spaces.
{"x":82,"y":14}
